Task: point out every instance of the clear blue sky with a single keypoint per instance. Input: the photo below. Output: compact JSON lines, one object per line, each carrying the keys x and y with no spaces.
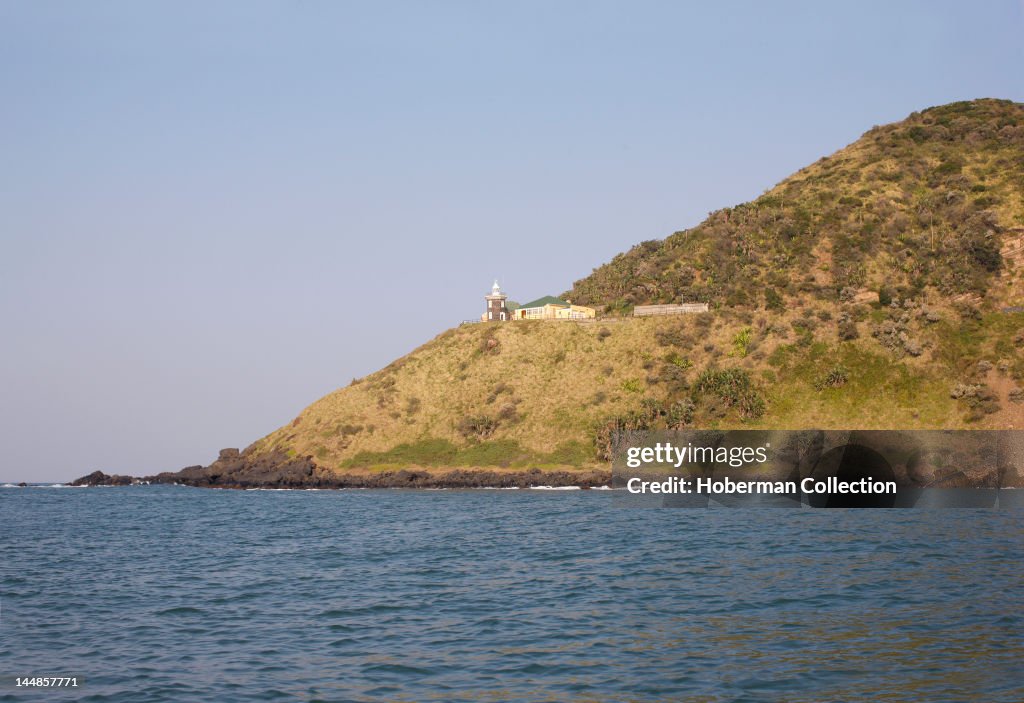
{"x":213,"y":213}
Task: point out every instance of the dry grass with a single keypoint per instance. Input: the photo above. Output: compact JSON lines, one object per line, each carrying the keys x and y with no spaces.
{"x":545,"y":384}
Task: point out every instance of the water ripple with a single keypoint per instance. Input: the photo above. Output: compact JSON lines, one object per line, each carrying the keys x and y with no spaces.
{"x":174,"y":594}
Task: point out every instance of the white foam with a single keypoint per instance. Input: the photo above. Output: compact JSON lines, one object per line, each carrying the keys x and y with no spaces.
{"x":555,"y":488}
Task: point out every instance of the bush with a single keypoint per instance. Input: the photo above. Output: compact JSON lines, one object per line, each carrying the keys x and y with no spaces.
{"x":477,"y":426}
{"x":734,"y":388}
{"x":674,"y":336}
{"x":680,"y":414}
{"x":847,"y":328}
{"x":980,"y":399}
{"x":632,"y":385}
{"x":741,"y":342}
{"x":836,"y":377}
{"x":671,"y":374}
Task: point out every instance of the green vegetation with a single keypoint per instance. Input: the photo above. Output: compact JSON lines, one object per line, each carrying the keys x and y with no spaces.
{"x":443,"y":453}
{"x":734,"y":388}
{"x":835,"y":377}
{"x":898,"y":212}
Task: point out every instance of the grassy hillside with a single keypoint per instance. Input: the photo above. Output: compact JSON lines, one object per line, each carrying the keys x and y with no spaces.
{"x":547,"y":393}
{"x":873,"y":289}
{"x":917,"y":208}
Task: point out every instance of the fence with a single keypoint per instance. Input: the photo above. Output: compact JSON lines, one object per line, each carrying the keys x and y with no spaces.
{"x":685,"y":308}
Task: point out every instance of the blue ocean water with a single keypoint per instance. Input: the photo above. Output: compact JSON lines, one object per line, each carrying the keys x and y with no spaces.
{"x":163,"y":593}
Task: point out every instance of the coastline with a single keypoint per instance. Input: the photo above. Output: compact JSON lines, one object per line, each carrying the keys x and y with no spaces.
{"x":238,"y":470}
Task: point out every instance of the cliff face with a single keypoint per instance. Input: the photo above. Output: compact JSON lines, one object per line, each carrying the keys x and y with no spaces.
{"x":875,"y":288}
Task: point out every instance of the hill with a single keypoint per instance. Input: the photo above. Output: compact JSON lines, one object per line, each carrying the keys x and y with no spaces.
{"x":915,"y":209}
{"x":875,"y":288}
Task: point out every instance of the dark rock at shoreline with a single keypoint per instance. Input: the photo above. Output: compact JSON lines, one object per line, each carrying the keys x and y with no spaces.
{"x":22,"y":485}
{"x":234,"y":469}
{"x":98,"y":478}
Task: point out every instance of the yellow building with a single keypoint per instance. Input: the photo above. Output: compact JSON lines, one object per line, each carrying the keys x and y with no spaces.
{"x":552,"y":308}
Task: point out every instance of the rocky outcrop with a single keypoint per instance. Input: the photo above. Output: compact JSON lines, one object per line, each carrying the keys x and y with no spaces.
{"x":234,"y":469}
{"x":98,"y":478}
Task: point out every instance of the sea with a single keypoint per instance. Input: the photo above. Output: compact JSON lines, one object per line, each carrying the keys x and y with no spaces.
{"x":169,"y":593}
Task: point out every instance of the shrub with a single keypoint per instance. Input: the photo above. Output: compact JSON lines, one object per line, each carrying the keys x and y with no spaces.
{"x":680,"y":414}
{"x":836,"y":377}
{"x":498,"y":389}
{"x":734,"y":388}
{"x":632,"y":385}
{"x":980,"y":400}
{"x":674,"y":336}
{"x":741,"y":342}
{"x":847,"y":328}
{"x":676,"y":360}
{"x":477,"y":426}
{"x":605,"y":432}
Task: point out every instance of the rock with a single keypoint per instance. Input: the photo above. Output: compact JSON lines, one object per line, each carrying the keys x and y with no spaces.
{"x":98,"y":478}
{"x":22,"y":485}
{"x":234,"y":469}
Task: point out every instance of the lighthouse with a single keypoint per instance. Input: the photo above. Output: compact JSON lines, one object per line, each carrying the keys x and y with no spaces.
{"x":497,"y":310}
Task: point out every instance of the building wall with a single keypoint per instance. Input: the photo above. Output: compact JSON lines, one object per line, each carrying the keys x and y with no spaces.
{"x":555,"y":312}
{"x":495,"y":310}
{"x":575,"y":312}
{"x":685,"y":308}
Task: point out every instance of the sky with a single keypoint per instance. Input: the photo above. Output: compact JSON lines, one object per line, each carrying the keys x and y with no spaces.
{"x":211,"y":214}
